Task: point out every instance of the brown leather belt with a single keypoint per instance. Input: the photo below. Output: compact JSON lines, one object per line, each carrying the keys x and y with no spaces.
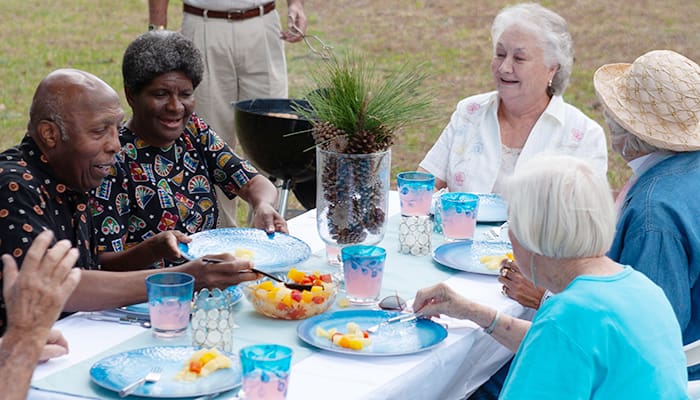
{"x":236,"y":15}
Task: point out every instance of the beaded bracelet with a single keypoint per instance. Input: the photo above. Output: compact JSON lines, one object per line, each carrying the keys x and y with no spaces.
{"x":489,"y":329}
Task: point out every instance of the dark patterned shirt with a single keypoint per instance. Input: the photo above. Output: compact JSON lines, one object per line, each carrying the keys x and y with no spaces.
{"x":154,"y":189}
{"x":31,"y":200}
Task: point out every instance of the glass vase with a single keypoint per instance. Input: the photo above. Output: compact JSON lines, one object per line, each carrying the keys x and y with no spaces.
{"x":351,"y":197}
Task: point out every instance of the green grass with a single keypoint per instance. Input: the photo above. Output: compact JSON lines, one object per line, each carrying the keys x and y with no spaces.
{"x":452,"y":38}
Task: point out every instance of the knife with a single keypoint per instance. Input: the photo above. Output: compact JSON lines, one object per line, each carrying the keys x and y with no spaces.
{"x":129,"y":320}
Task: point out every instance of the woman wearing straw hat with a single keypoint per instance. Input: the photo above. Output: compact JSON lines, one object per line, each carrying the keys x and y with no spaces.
{"x":652,"y":108}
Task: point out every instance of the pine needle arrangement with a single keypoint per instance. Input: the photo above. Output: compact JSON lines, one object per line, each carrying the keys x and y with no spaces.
{"x":355,"y":112}
{"x":355,"y":117}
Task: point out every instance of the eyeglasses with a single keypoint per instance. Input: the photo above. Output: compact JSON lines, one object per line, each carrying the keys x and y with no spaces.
{"x":392,"y":303}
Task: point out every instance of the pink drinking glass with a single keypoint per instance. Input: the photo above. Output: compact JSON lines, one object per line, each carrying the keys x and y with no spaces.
{"x":363,"y":269}
{"x":169,"y":302}
{"x":415,"y":192}
{"x":458,"y":214}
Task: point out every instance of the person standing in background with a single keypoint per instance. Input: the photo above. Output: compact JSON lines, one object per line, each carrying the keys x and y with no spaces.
{"x":242,"y":45}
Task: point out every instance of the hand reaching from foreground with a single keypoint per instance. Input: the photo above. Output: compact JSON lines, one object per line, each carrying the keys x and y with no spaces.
{"x":34,"y":298}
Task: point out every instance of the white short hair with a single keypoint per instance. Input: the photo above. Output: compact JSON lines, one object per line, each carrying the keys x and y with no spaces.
{"x":561,"y":207}
{"x":552,"y":33}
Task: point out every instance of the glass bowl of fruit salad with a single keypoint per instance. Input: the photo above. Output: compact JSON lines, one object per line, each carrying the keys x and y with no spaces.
{"x":275,"y":300}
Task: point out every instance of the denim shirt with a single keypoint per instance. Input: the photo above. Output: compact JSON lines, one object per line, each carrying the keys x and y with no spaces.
{"x":658,"y":233}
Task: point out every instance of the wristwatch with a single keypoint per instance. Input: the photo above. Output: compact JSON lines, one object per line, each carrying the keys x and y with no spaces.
{"x":153,"y":27}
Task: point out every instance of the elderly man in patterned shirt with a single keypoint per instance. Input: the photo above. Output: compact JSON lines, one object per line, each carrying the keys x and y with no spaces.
{"x":69,"y":148}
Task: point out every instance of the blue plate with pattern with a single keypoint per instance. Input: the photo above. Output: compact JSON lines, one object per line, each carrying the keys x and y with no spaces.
{"x":118,"y":370}
{"x":395,"y":339}
{"x":492,"y":208}
{"x":465,"y":255}
{"x":273,"y":252}
{"x":141,"y":309}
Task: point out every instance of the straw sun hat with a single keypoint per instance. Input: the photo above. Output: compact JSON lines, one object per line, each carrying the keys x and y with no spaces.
{"x":656,"y":98}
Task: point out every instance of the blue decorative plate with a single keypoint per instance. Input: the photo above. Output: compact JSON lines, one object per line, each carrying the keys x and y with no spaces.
{"x":118,"y":370}
{"x":492,"y":208}
{"x":465,"y":255}
{"x":272,"y":252}
{"x":141,"y":309}
{"x":391,"y":340}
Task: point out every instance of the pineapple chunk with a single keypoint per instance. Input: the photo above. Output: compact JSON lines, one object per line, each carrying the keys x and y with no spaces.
{"x":244,"y":254}
{"x":210,"y":359}
{"x":494,"y":262}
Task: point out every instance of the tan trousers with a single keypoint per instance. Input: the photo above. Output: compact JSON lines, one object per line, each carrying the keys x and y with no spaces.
{"x":242,"y":60}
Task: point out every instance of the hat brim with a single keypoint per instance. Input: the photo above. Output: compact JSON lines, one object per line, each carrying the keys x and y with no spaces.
{"x":608,"y":82}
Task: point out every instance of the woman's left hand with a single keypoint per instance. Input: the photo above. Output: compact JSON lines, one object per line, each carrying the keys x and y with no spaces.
{"x":266,"y":217}
{"x":165,"y":245}
{"x":518,"y":287}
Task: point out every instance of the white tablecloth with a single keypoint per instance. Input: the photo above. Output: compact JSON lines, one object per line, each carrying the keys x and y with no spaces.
{"x":449,"y":371}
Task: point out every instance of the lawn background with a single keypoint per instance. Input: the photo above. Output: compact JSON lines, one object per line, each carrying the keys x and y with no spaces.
{"x":450,"y":37}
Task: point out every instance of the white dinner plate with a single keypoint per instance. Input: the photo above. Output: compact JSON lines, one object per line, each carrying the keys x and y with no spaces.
{"x":465,"y":255}
{"x":118,"y":370}
{"x":273,"y":252}
{"x":394,"y":339}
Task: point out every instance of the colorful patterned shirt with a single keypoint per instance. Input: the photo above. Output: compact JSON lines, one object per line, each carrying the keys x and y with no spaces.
{"x":31,"y":200}
{"x":155,"y":189}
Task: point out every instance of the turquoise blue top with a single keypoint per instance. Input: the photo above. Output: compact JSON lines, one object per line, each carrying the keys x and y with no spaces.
{"x":601,"y":338}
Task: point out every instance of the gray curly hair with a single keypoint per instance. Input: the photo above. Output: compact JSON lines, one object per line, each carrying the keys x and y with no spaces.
{"x":158,"y":52}
{"x":552,"y":33}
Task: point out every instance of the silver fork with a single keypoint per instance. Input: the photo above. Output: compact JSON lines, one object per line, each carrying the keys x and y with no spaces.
{"x":398,"y":318}
{"x":152,"y":377}
{"x":495,"y":232}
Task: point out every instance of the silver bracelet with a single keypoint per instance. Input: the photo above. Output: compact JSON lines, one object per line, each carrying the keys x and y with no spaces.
{"x":489,"y":329}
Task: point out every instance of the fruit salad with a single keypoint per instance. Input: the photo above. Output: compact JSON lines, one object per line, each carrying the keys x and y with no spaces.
{"x":203,"y":363}
{"x":354,"y":339}
{"x":494,"y":262}
{"x":275,"y":300}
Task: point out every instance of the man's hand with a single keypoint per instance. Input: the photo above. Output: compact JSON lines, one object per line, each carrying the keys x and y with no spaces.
{"x":296,"y":22}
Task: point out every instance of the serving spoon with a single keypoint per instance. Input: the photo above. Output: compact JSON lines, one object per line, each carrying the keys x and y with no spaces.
{"x":293,"y":286}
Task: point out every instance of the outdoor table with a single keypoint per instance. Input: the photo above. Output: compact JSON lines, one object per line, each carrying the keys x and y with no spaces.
{"x":454,"y":368}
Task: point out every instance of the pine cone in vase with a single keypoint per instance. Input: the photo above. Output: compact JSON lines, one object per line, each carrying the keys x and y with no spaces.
{"x":357,"y":115}
{"x":328,"y":136}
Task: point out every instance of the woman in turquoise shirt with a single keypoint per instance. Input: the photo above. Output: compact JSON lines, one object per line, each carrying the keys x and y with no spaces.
{"x":608,"y":330}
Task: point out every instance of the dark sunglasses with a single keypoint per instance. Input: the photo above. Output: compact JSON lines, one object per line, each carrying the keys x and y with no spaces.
{"x":392,"y":303}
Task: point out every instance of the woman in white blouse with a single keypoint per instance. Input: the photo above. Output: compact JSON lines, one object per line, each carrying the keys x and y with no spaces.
{"x":491,"y":134}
